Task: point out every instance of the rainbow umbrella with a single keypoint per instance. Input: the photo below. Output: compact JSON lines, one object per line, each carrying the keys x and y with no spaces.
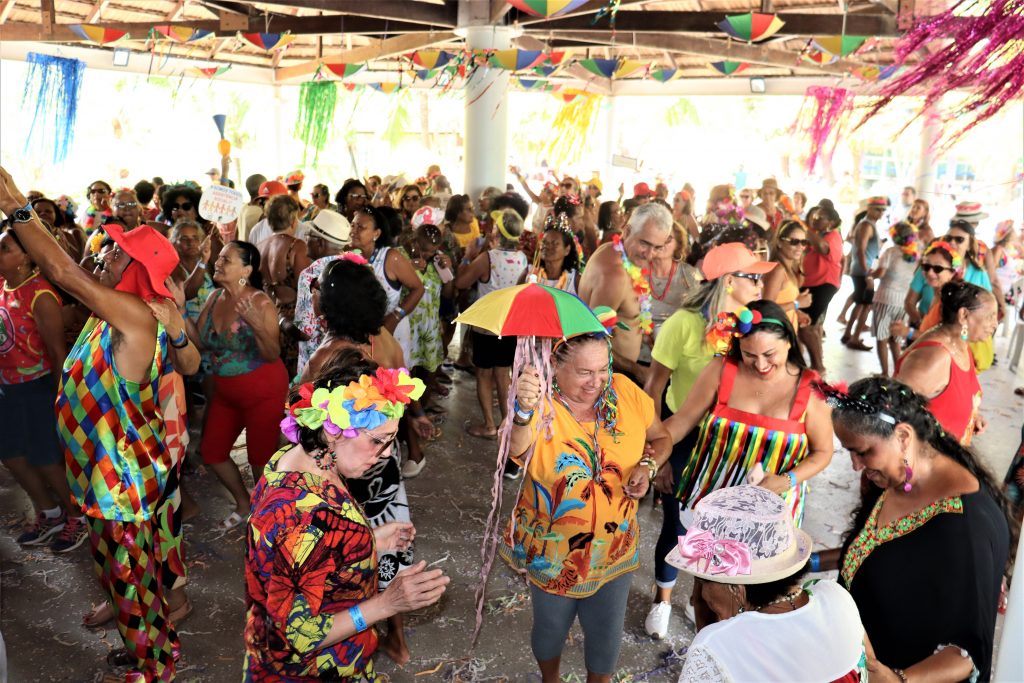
{"x":182,"y":34}
{"x":530,"y":84}
{"x":386,"y":88}
{"x":431,"y":59}
{"x":628,"y":67}
{"x":555,"y":57}
{"x":532,"y":310}
{"x":210,"y":72}
{"x":97,"y":34}
{"x":818,"y":57}
{"x":873,"y":72}
{"x":546,"y":8}
{"x":600,"y":67}
{"x":839,"y":45}
{"x":751,"y":26}
{"x":664,"y":75}
{"x":545,"y":70}
{"x":267,"y":41}
{"x":425,"y":74}
{"x":728,"y":68}
{"x":515,"y":60}
{"x":342,"y":70}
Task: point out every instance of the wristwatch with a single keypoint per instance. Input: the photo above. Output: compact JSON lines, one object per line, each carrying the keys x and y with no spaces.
{"x":22,"y":215}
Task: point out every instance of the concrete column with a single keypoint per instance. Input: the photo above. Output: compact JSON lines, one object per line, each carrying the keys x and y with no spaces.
{"x":928,"y":161}
{"x":486,"y":138}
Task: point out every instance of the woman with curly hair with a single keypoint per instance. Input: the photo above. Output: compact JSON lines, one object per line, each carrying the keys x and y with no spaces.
{"x":178,"y":202}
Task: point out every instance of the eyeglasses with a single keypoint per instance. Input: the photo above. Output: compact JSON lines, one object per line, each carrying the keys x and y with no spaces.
{"x":928,"y":267}
{"x":959,"y":239}
{"x":796,"y":243}
{"x":656,"y":248}
{"x":184,"y":206}
{"x":385,"y":444}
{"x":128,"y":205}
{"x":411,"y":198}
{"x":753,"y":277}
{"x":358,"y":196}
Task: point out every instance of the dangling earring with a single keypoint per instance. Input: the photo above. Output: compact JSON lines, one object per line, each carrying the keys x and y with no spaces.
{"x":728,"y":289}
{"x":909,"y":472}
{"x":963,"y":332}
{"x":324,"y":461}
{"x":242,"y":281}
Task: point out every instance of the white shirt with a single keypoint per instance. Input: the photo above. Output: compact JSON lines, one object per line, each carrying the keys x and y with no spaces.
{"x":820,"y":642}
{"x":262,"y":231}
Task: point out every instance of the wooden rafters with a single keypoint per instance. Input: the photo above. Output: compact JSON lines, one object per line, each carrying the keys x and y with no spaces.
{"x":595,"y":83}
{"x":659,"y":21}
{"x":97,"y":11}
{"x":384,"y":48}
{"x":401,"y":10}
{"x":175,"y":14}
{"x":499,"y":8}
{"x":5,"y":9}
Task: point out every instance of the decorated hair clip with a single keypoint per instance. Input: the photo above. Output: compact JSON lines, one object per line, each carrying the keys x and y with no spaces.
{"x":837,"y":396}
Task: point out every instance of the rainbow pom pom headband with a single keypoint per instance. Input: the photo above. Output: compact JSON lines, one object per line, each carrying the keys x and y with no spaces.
{"x":365,"y":404}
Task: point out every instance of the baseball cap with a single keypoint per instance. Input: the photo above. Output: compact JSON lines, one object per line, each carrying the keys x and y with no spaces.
{"x":642,"y":190}
{"x":332,"y":227}
{"x":272,"y":187}
{"x":213,"y":171}
{"x":733,"y":258}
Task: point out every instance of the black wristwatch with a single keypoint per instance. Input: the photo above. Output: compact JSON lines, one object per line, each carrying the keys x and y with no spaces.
{"x":22,"y":215}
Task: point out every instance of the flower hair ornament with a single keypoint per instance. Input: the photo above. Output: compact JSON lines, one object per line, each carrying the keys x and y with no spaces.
{"x":838,"y":397}
{"x":366,"y":403}
{"x":729,"y":326}
{"x":956,"y":260}
{"x":499,"y":221}
{"x":904,"y":235}
{"x":427,"y":215}
{"x":717,"y":555}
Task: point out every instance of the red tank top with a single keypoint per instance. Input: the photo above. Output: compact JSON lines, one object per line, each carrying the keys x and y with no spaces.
{"x":957,"y":406}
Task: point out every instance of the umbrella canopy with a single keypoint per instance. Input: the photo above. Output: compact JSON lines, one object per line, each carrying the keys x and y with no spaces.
{"x":546,"y":8}
{"x":182,"y":34}
{"x":875,"y":73}
{"x":839,"y":45}
{"x":386,"y":88}
{"x":267,"y":41}
{"x":815,"y":56}
{"x":516,"y":60}
{"x":210,"y":72}
{"x":532,"y":310}
{"x":751,"y":26}
{"x":344,"y":70}
{"x":664,"y":75}
{"x":728,"y":68}
{"x":628,"y":67}
{"x":98,"y":34}
{"x":431,"y":59}
{"x":600,"y":67}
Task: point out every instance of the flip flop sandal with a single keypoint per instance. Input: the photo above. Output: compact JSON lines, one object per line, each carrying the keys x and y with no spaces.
{"x":481,"y":435}
{"x":231,"y":521}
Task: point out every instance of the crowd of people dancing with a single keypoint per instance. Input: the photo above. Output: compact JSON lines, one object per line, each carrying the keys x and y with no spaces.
{"x":138,"y":339}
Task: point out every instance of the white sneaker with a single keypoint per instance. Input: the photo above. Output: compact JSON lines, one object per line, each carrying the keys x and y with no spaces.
{"x":691,"y":616}
{"x":656,"y":623}
{"x":412,"y":469}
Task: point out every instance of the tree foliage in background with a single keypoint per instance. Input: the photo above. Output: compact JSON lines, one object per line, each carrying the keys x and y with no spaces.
{"x":317,"y":101}
{"x":682,"y":112}
{"x":398,"y":118}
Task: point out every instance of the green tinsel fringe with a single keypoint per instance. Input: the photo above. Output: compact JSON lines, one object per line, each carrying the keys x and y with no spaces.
{"x":317,"y":101}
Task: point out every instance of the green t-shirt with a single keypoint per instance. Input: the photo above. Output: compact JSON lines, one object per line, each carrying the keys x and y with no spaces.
{"x":681,"y":348}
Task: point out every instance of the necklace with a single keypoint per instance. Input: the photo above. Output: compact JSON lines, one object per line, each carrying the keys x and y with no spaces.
{"x":668,"y":282}
{"x":789,"y":597}
{"x":594,"y":452}
{"x":641,"y":287}
{"x":542,"y":274}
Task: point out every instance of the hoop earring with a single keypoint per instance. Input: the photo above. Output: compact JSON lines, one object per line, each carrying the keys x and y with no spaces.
{"x":909,"y":472}
{"x":963,"y":332}
{"x":324,"y":460}
{"x":242,"y":281}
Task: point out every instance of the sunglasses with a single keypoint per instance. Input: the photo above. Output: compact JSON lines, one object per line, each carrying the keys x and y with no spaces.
{"x":796,"y":243}
{"x":927,"y":267}
{"x":745,"y":196}
{"x":959,"y":239}
{"x":184,"y":206}
{"x":128,"y":205}
{"x":358,"y":196}
{"x":753,"y":277}
{"x":411,"y":198}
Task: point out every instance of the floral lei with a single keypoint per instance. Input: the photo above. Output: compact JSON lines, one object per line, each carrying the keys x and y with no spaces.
{"x":365,"y":404}
{"x":909,"y":244}
{"x":641,"y":286}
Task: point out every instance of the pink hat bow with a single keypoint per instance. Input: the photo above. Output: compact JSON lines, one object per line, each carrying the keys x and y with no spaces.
{"x":719,"y":556}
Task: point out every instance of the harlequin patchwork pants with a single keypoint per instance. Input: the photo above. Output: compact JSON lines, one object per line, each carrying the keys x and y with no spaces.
{"x":136,"y":563}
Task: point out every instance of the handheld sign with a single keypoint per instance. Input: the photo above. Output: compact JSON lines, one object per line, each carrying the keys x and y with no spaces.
{"x":221,"y":204}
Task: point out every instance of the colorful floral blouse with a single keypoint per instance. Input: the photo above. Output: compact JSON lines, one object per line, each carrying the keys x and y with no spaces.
{"x":573,"y":528}
{"x":23,"y":356}
{"x":310,"y":555}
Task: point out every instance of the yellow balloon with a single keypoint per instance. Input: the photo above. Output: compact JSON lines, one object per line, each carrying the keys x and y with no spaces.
{"x":224,"y":147}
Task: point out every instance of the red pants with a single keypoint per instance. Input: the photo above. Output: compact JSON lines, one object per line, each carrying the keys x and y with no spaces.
{"x":254,"y":402}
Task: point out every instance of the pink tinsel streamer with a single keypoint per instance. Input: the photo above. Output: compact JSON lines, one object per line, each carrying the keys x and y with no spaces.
{"x":822,"y":119}
{"x":530,"y":351}
{"x":976,"y":47}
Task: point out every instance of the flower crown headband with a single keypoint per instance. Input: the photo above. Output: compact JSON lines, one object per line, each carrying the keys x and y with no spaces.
{"x":366,"y":403}
{"x":730,"y":326}
{"x":561,"y":224}
{"x":908,"y":242}
{"x":956,"y":260}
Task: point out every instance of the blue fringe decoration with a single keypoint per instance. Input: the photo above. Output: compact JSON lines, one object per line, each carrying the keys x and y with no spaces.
{"x":52,"y":88}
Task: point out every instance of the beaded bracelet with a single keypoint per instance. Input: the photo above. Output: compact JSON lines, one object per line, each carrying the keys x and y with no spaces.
{"x":900,"y":674}
{"x":357,"y":618}
{"x":792,"y":479}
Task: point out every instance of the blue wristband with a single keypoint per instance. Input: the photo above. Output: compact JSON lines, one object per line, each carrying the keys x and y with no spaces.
{"x":815,"y":562}
{"x":796,"y":305}
{"x":179,"y":341}
{"x":526,"y":415}
{"x":792,"y":479}
{"x":357,"y":618}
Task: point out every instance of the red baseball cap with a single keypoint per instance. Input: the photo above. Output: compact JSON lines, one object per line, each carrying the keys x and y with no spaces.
{"x":151,"y":249}
{"x":272,"y":187}
{"x":642,"y":190}
{"x":733,"y":257}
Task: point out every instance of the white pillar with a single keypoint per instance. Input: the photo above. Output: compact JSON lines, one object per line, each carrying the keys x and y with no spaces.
{"x":611,"y":148}
{"x":486,"y":139}
{"x":928,"y":162}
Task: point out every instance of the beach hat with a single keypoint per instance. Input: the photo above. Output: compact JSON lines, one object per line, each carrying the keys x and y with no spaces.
{"x":642,"y":190}
{"x":332,"y":227}
{"x":876,"y":201}
{"x":733,"y":258}
{"x":968,"y":212}
{"x":741,"y":535}
{"x":294,"y":178}
{"x":272,"y":187}
{"x":770,"y":184}
{"x":427,"y":215}
{"x":149,"y":248}
{"x":757,"y":216}
{"x":1003,"y":229}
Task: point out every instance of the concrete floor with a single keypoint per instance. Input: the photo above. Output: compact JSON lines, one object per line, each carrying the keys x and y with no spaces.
{"x":44,"y":596}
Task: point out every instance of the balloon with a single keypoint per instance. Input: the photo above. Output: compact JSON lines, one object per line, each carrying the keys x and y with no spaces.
{"x":224,"y":147}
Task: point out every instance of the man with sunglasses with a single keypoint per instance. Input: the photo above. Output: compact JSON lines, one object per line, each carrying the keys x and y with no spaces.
{"x":607,"y":280}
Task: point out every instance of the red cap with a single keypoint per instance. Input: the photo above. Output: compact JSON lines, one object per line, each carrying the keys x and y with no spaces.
{"x":149,"y":248}
{"x":642,"y":190}
{"x":272,"y":187}
{"x":732,"y":257}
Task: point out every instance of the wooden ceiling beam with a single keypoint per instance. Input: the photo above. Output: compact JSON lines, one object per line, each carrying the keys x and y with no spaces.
{"x":5,"y":9}
{"x":384,"y":48}
{"x":176,"y":13}
{"x":97,"y":11}
{"x":592,"y":7}
{"x":297,"y":25}
{"x":660,"y":21}
{"x":499,"y":8}
{"x":401,"y":10}
{"x":721,"y":49}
